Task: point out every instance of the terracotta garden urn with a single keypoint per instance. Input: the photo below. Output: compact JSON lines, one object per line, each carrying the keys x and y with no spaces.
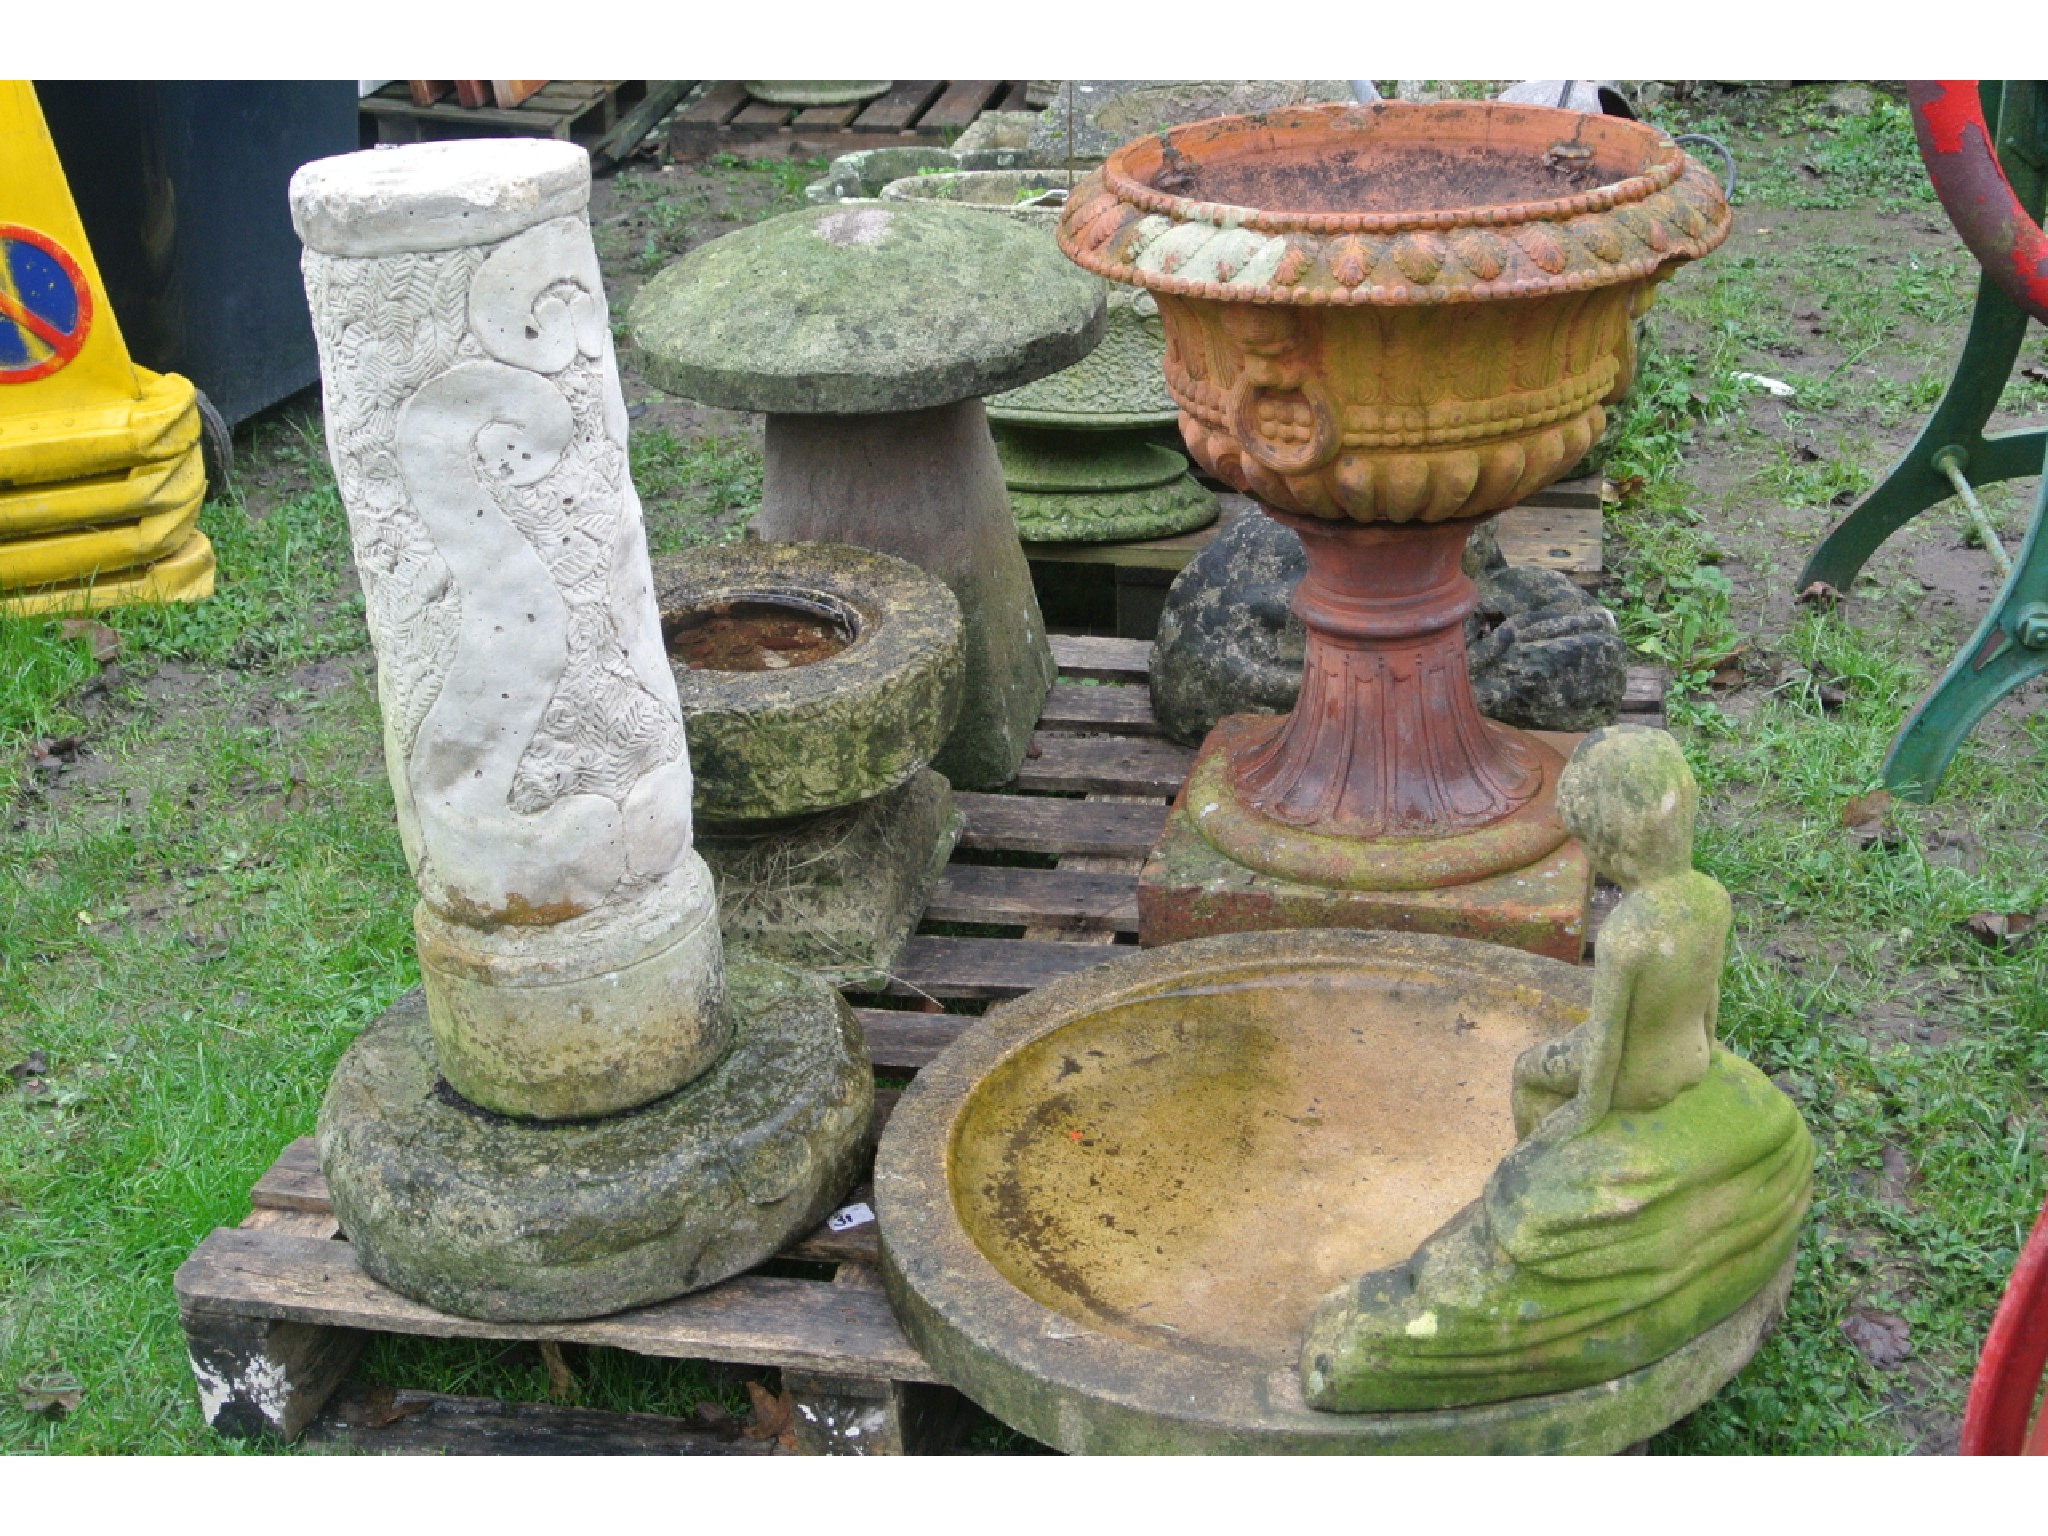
{"x":1387,"y":323}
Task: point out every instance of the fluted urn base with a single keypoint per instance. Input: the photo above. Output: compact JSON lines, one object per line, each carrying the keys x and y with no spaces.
{"x":1384,"y":800}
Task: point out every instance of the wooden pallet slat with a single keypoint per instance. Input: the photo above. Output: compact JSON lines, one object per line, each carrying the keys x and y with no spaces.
{"x":1082,"y":900}
{"x":1103,"y":658}
{"x":716,"y":106}
{"x":942,"y":966}
{"x":898,"y":107}
{"x":1118,"y":711}
{"x":752,"y":1319}
{"x":1034,"y":824}
{"x":763,"y":114}
{"x":906,"y":1039}
{"x":961,"y":103}
{"x":1121,"y":765}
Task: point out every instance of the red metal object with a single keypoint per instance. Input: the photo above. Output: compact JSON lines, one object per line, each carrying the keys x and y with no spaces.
{"x":1948,"y":120}
{"x":2011,"y":1371}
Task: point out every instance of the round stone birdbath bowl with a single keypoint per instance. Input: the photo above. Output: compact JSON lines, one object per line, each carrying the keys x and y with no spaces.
{"x":1388,"y":323}
{"x":1108,"y":1211}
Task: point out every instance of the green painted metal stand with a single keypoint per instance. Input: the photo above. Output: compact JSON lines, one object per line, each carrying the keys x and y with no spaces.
{"x":1952,"y":453}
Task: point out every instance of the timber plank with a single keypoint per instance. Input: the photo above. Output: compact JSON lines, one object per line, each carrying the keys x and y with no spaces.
{"x":827,"y":117}
{"x":715,"y":106}
{"x":294,"y":1182}
{"x":961,"y":104}
{"x":1053,"y":898}
{"x":936,"y":966}
{"x":1645,"y":691}
{"x":762,"y":114}
{"x":1103,"y":658}
{"x":1117,"y":765}
{"x":899,"y":107}
{"x":751,"y":1319}
{"x":1566,"y":539}
{"x":380,"y":1422}
{"x":1124,"y":711}
{"x":905,"y":1039}
{"x":1032,"y":824}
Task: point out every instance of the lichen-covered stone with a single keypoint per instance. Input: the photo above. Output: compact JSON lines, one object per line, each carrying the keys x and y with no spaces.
{"x":926,"y":486}
{"x":815,"y":93}
{"x":837,"y":731}
{"x":1107,"y":113}
{"x":1543,"y":653}
{"x":1098,"y":517}
{"x":996,"y":141}
{"x":535,"y":1221}
{"x":839,"y":893}
{"x":866,"y":171}
{"x":860,"y":308}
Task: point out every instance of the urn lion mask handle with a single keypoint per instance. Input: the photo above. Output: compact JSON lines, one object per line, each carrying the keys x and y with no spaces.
{"x":1387,"y":323}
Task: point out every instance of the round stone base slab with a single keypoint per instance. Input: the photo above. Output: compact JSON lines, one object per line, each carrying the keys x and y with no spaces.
{"x":539,"y":1221}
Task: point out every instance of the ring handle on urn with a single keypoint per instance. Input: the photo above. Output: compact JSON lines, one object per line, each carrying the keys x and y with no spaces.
{"x":1324,"y":438}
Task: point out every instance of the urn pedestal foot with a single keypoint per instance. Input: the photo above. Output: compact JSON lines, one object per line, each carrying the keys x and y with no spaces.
{"x":1190,"y":888}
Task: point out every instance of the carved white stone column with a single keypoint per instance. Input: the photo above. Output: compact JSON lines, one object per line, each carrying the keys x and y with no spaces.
{"x":567,"y":931}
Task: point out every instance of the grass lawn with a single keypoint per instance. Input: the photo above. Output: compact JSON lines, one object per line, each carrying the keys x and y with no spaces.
{"x":202,"y":897}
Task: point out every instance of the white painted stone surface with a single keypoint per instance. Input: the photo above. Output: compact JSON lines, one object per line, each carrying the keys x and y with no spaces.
{"x":531,"y":727}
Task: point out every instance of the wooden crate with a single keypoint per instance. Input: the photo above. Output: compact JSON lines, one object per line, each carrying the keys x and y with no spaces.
{"x":724,"y":119}
{"x":607,"y":117}
{"x":276,"y":1310}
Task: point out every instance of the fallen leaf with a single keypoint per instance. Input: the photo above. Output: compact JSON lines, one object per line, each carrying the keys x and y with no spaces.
{"x":54,"y":1397}
{"x":1806,"y":453}
{"x":381,"y":1406}
{"x":774,"y":1417}
{"x":1868,"y":817}
{"x":1882,"y":1339}
{"x":104,"y":643}
{"x":34,"y":1064}
{"x":2035,"y":372}
{"x":2001,"y":930}
{"x":1898,"y":1178}
{"x":1626,"y":487}
{"x":1819,"y":594}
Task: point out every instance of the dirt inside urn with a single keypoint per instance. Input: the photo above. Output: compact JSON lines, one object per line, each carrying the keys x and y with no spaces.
{"x":756,"y":634}
{"x":1392,"y":176}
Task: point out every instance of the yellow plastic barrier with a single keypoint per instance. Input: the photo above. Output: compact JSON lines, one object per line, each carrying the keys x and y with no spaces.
{"x":99,"y":459}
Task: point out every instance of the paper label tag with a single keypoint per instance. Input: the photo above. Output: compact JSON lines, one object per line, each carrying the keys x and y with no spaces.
{"x":847,"y":1217}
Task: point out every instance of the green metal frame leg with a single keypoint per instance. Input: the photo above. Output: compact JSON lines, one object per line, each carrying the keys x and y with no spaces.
{"x":1997,"y":328}
{"x":2009,"y":648}
{"x":1914,"y":483}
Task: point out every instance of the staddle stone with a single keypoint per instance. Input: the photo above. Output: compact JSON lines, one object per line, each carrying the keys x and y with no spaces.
{"x":865,"y":334}
{"x":860,"y":308}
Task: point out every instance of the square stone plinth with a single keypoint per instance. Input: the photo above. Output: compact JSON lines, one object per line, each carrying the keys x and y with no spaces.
{"x":839,"y":893}
{"x":1189,"y":890}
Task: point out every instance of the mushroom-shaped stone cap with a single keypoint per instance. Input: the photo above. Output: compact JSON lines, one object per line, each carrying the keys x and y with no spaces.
{"x":861,"y":308}
{"x":436,"y":197}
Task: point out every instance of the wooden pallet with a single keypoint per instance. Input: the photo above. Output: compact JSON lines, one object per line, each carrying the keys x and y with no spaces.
{"x":724,"y":119}
{"x":276,"y":1310}
{"x":607,"y":117}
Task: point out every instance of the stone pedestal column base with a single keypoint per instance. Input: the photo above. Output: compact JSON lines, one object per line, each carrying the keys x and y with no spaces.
{"x":838,"y":893}
{"x":587,"y":1017}
{"x":538,"y":1221}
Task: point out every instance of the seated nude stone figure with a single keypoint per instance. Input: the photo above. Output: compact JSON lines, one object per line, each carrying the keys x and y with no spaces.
{"x":1659,"y":1182}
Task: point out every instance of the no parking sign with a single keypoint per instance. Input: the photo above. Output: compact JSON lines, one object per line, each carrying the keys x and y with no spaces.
{"x":45,"y":305}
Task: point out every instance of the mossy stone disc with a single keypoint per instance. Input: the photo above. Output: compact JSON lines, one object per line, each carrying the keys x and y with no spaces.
{"x":859,"y":308}
{"x":537,"y":1221}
